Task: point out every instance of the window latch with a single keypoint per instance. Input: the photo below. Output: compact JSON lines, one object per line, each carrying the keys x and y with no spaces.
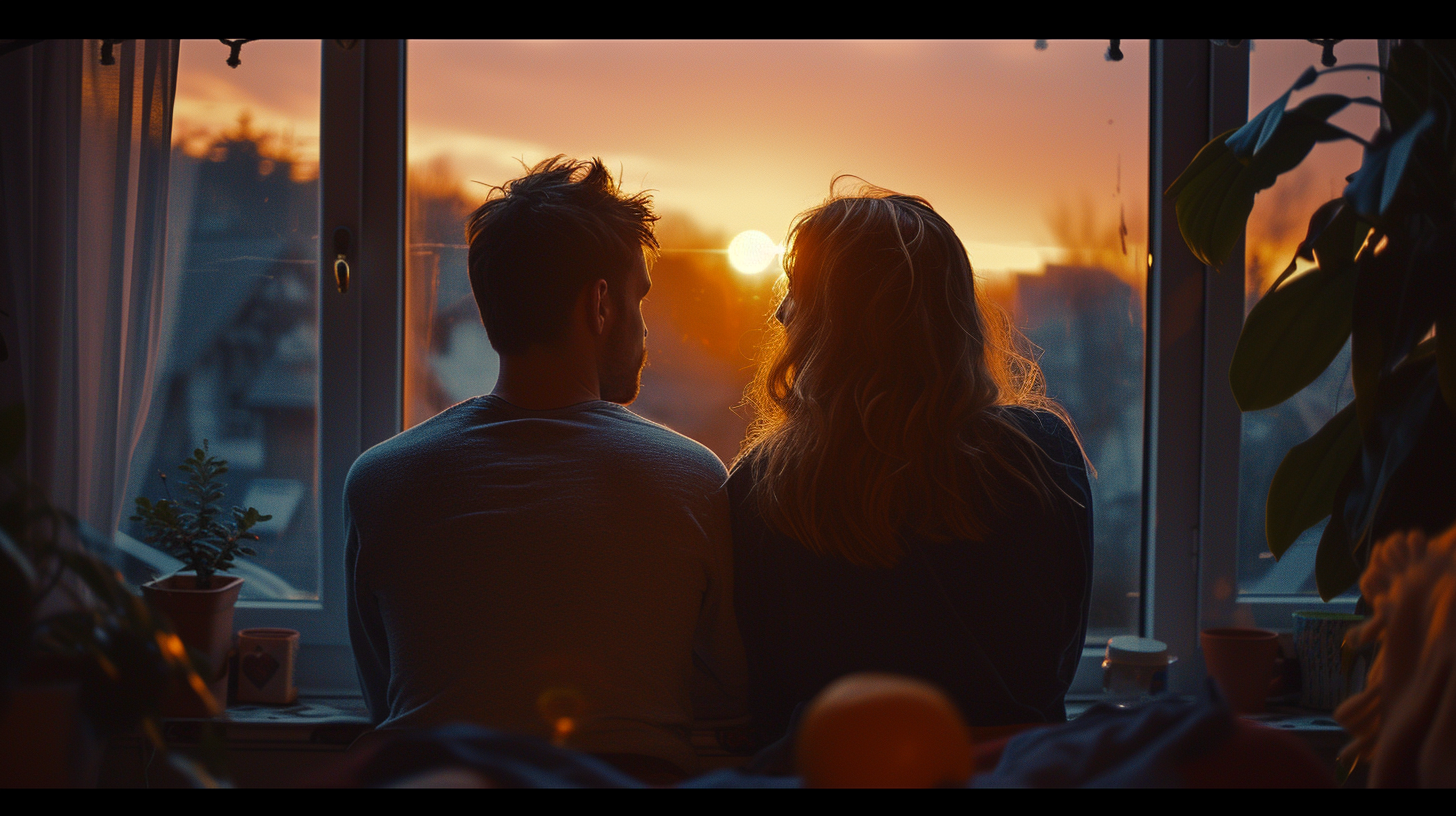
{"x":341,"y":259}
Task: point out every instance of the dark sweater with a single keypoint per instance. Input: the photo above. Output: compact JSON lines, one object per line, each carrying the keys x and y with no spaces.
{"x":998,"y":624}
{"x":495,"y":554}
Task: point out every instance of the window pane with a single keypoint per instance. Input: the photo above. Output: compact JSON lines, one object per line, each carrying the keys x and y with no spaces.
{"x":240,"y":337}
{"x":1037,"y":156}
{"x":1276,"y":226}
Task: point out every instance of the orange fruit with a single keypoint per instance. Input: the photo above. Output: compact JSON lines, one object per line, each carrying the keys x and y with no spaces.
{"x":883,"y":731}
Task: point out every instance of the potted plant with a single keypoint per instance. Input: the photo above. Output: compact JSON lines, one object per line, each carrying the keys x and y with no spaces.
{"x":81,"y":656}
{"x":196,"y":531}
{"x":1384,"y":255}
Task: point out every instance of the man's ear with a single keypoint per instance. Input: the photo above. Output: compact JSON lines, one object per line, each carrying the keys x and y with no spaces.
{"x":599,"y":306}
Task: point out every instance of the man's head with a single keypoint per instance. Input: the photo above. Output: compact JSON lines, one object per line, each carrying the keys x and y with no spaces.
{"x":542,"y":243}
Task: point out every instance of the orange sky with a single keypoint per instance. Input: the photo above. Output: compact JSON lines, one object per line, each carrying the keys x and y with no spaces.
{"x":744,"y":135}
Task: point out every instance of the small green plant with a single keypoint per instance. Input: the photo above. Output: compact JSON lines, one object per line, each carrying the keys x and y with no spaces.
{"x":195,"y":530}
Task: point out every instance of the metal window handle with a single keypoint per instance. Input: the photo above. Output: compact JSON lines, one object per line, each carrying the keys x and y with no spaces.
{"x":341,"y":260}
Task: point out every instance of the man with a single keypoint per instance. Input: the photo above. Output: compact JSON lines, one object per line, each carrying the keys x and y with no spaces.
{"x":542,"y":560}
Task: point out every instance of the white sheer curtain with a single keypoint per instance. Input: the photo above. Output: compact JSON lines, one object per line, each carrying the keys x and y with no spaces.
{"x":84,"y":151}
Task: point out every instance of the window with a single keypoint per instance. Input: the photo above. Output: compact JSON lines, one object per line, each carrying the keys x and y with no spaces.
{"x":299,"y":373}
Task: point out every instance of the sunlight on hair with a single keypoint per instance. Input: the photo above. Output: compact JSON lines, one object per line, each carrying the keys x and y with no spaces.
{"x":752,"y":252}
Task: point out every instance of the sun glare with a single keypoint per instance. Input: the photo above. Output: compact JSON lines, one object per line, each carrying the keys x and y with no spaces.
{"x":751,"y":252}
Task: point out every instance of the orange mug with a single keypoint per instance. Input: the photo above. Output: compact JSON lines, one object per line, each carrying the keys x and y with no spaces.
{"x":1242,"y":662}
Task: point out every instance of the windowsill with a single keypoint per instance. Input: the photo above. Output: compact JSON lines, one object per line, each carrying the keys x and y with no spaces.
{"x":1317,"y":729}
{"x":266,"y":746}
{"x":332,"y":721}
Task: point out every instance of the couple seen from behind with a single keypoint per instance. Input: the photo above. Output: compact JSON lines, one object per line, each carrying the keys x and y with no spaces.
{"x":543,"y":561}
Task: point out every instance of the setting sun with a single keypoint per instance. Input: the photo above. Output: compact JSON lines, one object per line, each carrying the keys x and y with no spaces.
{"x":751,"y":252}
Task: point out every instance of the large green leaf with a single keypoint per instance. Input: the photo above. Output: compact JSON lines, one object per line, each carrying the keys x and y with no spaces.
{"x":1210,"y":196}
{"x":1401,"y":292}
{"x":1405,"y":413}
{"x":1378,"y":287}
{"x":1299,"y":326}
{"x":1215,"y":195}
{"x":1257,"y":132}
{"x":1373,"y":187}
{"x":1335,"y":569}
{"x":1304,"y":487}
{"x":1297,"y":133}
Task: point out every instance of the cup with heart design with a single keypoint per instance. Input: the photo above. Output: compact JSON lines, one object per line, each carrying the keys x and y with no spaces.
{"x":266,"y":658}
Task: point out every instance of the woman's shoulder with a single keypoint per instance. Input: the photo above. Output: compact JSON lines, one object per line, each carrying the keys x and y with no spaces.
{"x":741,"y":477}
{"x":1051,"y":433}
{"x":1048,"y":430}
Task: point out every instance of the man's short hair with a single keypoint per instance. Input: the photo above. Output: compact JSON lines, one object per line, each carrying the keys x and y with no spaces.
{"x":538,"y":240}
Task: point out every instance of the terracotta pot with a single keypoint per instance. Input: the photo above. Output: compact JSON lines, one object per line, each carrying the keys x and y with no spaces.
{"x":203,"y":619}
{"x":1242,"y":662}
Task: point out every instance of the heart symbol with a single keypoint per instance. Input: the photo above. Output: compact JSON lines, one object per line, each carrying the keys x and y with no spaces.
{"x":259,"y":667}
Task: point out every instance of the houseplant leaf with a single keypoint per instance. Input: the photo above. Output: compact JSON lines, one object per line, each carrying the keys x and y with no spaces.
{"x":1297,"y":132}
{"x":1373,"y":187}
{"x":1298,"y":327}
{"x":1247,"y":140}
{"x":1379,"y":285}
{"x":1304,"y":487}
{"x":1335,"y":569}
{"x":1215,"y":195}
{"x":1209,"y":225}
{"x":1405,"y":416}
{"x":1391,"y":319}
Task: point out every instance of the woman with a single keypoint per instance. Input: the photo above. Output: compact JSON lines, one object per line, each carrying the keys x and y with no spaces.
{"x":908,"y":500}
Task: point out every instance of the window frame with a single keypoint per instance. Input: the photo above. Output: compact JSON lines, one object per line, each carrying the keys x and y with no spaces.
{"x":1192,"y":426}
{"x":361,"y":189}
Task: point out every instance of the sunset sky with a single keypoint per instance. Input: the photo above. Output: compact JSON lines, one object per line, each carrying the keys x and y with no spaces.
{"x":996,"y":135}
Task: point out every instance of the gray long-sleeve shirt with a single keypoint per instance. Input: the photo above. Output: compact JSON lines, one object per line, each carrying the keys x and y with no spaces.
{"x":510,"y":567}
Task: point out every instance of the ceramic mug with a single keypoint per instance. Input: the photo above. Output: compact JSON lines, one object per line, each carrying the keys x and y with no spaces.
{"x":266,"y":659}
{"x":1318,"y":637}
{"x":1242,"y":662}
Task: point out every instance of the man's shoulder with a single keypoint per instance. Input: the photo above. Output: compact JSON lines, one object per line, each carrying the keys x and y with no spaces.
{"x":412,"y":445}
{"x":597,"y":430}
{"x":653,"y":443}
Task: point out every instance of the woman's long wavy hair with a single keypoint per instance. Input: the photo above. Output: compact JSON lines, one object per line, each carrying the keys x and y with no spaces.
{"x":878,"y":402}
